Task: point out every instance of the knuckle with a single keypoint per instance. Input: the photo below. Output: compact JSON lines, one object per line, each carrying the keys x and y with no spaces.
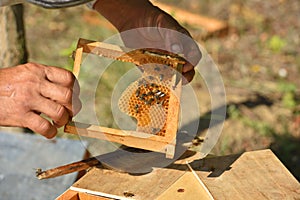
{"x":41,"y":126}
{"x":68,"y":94}
{"x":69,"y":77}
{"x":59,"y":112}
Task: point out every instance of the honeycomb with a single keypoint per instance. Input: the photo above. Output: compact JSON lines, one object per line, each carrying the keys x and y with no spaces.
{"x":147,"y":99}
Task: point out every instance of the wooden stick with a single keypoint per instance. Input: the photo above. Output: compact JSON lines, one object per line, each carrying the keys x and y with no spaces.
{"x":67,"y":169}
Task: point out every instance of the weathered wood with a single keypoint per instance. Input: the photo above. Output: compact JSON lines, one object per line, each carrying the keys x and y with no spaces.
{"x":251,"y":175}
{"x":69,"y":195}
{"x":85,"y":196}
{"x":69,"y":168}
{"x":186,"y":187}
{"x":110,"y":183}
{"x":75,"y":195}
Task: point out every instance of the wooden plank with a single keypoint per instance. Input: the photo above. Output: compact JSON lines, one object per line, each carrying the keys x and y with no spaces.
{"x":186,"y":188}
{"x":85,"y":196}
{"x":77,"y":61}
{"x":75,"y":195}
{"x":69,"y":168}
{"x":136,"y":56}
{"x":251,"y":175}
{"x":147,"y":186}
{"x":68,"y":195}
{"x":129,"y":138}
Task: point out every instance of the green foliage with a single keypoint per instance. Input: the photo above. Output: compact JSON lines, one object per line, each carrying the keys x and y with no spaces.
{"x":259,"y":126}
{"x":233,"y":112}
{"x":67,"y":52}
{"x":276,"y":43}
{"x":289,"y":94}
{"x":287,"y":87}
{"x":288,"y":100}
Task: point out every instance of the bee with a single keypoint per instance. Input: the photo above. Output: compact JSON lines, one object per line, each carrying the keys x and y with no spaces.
{"x":162,"y":95}
{"x":38,"y":171}
{"x":137,"y":92}
{"x":157,"y":69}
{"x":154,"y":130}
{"x":161,"y":77}
{"x":158,"y":93}
{"x":150,"y":93}
{"x":151,"y":77}
{"x":153,"y":85}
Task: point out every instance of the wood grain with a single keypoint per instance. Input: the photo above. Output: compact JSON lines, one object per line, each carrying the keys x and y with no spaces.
{"x":251,"y":175}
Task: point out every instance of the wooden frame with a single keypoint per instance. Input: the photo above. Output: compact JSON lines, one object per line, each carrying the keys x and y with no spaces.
{"x":165,"y":144}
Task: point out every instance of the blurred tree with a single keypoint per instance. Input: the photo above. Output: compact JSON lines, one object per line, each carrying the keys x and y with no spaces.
{"x":12,"y":37}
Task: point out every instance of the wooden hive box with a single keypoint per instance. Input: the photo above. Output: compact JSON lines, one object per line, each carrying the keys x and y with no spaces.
{"x":251,"y":175}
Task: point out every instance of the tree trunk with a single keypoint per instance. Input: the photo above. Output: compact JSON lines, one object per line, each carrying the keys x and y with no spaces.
{"x":12,"y":39}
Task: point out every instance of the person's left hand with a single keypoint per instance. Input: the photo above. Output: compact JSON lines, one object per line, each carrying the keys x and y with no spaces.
{"x":29,"y":90}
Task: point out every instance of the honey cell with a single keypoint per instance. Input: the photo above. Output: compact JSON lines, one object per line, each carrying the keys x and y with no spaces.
{"x":147,"y":99}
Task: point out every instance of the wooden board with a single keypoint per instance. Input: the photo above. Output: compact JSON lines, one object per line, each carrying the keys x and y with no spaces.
{"x":187,"y":187}
{"x":251,"y":175}
{"x":116,"y":184}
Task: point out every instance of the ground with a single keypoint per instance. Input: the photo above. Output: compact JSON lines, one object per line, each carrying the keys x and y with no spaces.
{"x":257,"y":58}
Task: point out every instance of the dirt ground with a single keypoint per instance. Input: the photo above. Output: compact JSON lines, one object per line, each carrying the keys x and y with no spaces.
{"x":258,"y":59}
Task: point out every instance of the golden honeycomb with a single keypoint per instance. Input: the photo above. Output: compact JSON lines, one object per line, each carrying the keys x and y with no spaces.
{"x":147,"y":99}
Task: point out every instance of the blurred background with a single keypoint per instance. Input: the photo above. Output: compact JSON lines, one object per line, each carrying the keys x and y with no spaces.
{"x":256,"y":45}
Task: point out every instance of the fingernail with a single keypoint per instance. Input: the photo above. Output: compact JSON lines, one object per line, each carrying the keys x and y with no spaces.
{"x":176,"y":48}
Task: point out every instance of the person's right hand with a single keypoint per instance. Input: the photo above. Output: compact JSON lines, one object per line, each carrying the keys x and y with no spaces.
{"x":28,"y":90}
{"x":143,"y":25}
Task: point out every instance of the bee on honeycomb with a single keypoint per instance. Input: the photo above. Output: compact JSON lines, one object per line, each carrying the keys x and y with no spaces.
{"x":147,"y":99}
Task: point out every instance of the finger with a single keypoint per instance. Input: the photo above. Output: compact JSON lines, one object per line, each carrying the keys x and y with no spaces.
{"x":60,"y":76}
{"x":188,"y":77}
{"x":75,"y":107}
{"x":62,"y":95}
{"x":57,"y":112}
{"x":187,"y":67}
{"x":192,"y":52}
{"x":180,"y":42}
{"x":40,"y":125}
{"x":56,"y":92}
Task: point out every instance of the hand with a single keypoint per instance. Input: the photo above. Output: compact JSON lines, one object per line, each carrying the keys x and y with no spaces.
{"x":26,"y":91}
{"x":169,"y":34}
